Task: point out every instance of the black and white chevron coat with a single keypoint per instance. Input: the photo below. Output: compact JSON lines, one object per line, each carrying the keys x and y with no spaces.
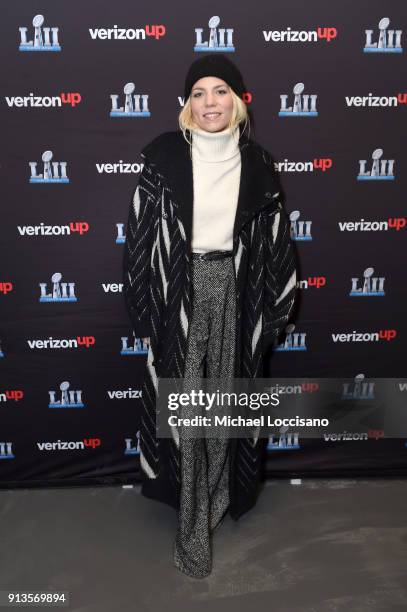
{"x":157,"y":289}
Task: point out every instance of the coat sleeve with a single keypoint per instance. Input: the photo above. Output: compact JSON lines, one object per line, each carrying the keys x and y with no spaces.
{"x":281,"y":276}
{"x":137,"y":251}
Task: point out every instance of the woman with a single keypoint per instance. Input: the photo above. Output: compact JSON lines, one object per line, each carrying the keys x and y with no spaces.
{"x":209,"y":280}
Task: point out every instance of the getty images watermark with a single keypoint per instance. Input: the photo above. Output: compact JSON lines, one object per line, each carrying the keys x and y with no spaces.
{"x":236,"y":408}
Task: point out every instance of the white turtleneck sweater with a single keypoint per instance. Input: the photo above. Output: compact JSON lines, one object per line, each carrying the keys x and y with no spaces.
{"x":216,"y":165}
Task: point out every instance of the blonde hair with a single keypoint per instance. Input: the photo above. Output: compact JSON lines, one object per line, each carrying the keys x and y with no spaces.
{"x":239,"y":115}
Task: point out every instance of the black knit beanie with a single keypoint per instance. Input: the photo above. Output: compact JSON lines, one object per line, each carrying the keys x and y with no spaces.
{"x":214,"y":64}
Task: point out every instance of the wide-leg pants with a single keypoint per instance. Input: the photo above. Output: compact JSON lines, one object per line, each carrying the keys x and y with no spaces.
{"x":204,"y":461}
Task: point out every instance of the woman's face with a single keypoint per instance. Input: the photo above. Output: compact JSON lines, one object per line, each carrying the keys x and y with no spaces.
{"x":211,"y":104}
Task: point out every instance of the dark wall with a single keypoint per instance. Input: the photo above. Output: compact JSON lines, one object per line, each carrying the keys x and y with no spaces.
{"x":326,"y":171}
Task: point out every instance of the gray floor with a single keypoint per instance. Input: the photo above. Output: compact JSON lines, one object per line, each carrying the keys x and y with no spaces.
{"x":320,"y":546}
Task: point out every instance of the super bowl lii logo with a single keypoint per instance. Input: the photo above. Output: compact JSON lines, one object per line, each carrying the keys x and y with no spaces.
{"x":138,"y":347}
{"x":284,"y":441}
{"x":220,"y":39}
{"x":60,"y":292}
{"x":120,"y":237}
{"x":359,"y":389}
{"x":53,"y":171}
{"x":6,"y":451}
{"x":299,"y":230}
{"x":369,"y":286}
{"x":303,"y":105}
{"x":45,"y":39}
{"x":68,"y":398}
{"x":130,"y":449}
{"x":135,"y":105}
{"x":294,"y":341}
{"x":389,"y":41}
{"x":379,"y":169}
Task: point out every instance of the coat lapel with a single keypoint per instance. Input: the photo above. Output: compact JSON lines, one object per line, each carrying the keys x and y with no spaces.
{"x":258,"y":184}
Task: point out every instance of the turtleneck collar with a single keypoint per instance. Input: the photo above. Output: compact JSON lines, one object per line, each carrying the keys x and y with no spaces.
{"x":215,"y":146}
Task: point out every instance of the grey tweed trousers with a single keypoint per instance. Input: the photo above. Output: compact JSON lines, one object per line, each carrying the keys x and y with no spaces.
{"x":204,"y":461}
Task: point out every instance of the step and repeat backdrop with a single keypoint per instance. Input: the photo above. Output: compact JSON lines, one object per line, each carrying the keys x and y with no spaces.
{"x":82,"y":92}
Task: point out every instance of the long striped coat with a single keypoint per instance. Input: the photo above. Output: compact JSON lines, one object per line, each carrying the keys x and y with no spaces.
{"x":157,"y":289}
